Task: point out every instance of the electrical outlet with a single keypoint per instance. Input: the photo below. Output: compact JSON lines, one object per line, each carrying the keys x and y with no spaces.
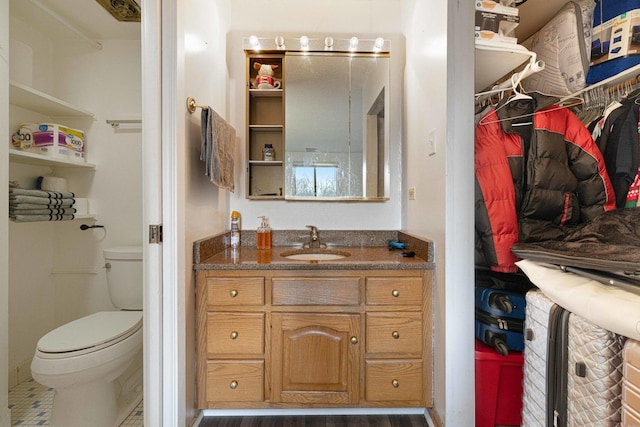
{"x":412,"y":193}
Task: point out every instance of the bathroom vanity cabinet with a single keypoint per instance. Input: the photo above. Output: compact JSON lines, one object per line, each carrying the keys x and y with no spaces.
{"x":265,"y":125}
{"x":294,"y":338}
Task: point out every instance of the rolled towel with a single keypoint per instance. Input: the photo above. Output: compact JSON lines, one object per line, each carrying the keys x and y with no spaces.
{"x":54,"y":183}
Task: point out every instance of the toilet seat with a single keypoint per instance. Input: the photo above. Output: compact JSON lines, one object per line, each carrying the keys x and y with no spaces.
{"x":89,"y":334}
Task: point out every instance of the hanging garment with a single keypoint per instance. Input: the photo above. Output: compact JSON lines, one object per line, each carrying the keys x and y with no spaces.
{"x":619,"y":146}
{"x":534,"y":180}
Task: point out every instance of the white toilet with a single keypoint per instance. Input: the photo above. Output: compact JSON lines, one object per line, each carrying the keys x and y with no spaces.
{"x":95,"y":363}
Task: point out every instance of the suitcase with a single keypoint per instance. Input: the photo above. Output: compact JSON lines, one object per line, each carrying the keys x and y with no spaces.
{"x":499,"y":318}
{"x":615,"y":38}
{"x":614,"y":306}
{"x":572,"y":368}
{"x":564,"y":44}
{"x":631,"y":384}
{"x":498,"y":385}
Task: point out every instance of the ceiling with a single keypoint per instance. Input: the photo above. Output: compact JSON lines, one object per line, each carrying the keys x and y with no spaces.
{"x":87,"y":16}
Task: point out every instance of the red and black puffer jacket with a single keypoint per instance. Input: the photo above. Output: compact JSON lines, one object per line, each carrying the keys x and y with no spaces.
{"x":536,"y":176}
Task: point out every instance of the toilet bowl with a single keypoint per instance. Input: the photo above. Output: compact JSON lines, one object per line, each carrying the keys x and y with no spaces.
{"x":95,"y":363}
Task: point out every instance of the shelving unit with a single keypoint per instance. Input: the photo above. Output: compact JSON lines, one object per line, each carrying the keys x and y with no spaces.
{"x":265,"y":125}
{"x":27,"y":158}
{"x":35,"y":100}
{"x":39,"y":102}
{"x":496,"y":60}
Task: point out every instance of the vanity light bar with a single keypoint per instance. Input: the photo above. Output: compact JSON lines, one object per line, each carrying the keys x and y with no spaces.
{"x":305,"y":43}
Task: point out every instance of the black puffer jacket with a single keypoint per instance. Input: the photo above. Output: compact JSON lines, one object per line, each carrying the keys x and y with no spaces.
{"x":535,"y":175}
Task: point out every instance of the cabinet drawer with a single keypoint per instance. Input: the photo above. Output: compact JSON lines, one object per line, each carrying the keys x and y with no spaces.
{"x":235,"y":381}
{"x":235,"y":291}
{"x":393,"y":380}
{"x":394,"y":333}
{"x":316,"y":291}
{"x":394,"y":290}
{"x":231,"y":333}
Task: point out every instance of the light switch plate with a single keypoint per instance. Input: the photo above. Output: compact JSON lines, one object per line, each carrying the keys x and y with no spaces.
{"x":412,"y":193}
{"x":431,"y":142}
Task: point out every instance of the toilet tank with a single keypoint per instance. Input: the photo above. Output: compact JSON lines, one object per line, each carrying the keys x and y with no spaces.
{"x":124,"y":276}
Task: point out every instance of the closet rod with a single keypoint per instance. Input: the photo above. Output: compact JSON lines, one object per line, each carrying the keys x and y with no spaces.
{"x":96,"y":45}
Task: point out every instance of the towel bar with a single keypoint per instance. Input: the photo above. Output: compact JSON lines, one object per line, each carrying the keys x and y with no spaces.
{"x":191,"y":105}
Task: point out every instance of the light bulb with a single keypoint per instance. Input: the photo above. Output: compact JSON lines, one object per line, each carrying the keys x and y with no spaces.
{"x":254,"y":42}
{"x":353,"y":43}
{"x":378,"y":44}
{"x":304,"y":43}
{"x":328,"y":43}
{"x":279,"y":42}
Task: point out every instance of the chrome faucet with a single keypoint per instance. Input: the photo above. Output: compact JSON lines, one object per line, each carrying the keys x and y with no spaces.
{"x":314,"y":242}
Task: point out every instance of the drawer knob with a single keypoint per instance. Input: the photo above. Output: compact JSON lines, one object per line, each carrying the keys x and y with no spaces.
{"x":395,"y":293}
{"x":395,"y":383}
{"x":395,"y":334}
{"x":233,"y":293}
{"x":233,"y":385}
{"x":234,"y":335}
{"x":354,"y":340}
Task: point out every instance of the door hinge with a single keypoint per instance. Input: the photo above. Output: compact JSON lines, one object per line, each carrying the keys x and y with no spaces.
{"x":155,"y":233}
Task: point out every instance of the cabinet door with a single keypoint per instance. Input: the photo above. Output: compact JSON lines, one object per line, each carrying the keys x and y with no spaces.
{"x":316,"y":358}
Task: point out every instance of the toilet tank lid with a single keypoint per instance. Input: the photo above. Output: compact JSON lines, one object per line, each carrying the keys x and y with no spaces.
{"x":123,"y":252}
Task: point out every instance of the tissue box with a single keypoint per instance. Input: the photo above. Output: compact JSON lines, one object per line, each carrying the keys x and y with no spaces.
{"x":495,"y":22}
{"x":50,"y":139}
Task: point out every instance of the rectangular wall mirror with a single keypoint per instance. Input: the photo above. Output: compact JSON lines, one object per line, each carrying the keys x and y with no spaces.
{"x":337,"y":126}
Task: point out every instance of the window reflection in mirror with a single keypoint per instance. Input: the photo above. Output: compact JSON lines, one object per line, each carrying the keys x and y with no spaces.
{"x":336,"y":126}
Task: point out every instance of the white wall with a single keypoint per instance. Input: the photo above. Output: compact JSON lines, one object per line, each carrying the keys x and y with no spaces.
{"x":203,"y":76}
{"x":438,"y":99}
{"x":55,"y":269}
{"x":5,"y":413}
{"x":315,"y":17}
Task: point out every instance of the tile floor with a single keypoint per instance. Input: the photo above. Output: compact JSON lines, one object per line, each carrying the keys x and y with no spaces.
{"x":30,"y":405}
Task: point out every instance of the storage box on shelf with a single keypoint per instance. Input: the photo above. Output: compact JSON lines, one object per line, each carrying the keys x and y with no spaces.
{"x":265,"y":125}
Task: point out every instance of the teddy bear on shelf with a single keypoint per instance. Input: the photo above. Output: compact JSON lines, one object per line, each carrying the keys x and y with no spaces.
{"x":265,"y":79}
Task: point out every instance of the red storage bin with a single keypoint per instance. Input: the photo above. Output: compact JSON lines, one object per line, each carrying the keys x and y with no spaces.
{"x":498,"y":387}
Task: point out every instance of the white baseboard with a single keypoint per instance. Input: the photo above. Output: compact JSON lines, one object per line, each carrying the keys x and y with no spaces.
{"x":313,"y":411}
{"x":19,"y":374}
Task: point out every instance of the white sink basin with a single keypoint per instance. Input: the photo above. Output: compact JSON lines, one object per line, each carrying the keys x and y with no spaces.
{"x":315,"y":254}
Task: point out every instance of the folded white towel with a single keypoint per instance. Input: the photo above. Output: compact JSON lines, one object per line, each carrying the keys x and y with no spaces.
{"x":42,"y":193}
{"x":41,"y":201}
{"x":36,"y":218}
{"x":44,"y":211}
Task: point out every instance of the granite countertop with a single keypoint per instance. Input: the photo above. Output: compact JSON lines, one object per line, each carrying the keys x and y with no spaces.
{"x":370,"y":253}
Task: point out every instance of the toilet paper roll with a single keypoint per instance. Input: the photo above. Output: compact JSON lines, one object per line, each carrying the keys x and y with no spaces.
{"x":54,"y":183}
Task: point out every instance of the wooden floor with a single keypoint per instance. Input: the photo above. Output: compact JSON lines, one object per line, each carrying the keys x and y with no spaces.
{"x":318,"y":421}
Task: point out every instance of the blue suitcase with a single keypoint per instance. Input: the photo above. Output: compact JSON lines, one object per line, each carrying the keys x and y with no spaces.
{"x":615,"y":39}
{"x":499,"y":318}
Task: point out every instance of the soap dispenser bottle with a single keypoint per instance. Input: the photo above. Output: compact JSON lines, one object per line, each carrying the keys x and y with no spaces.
{"x":263,"y":236}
